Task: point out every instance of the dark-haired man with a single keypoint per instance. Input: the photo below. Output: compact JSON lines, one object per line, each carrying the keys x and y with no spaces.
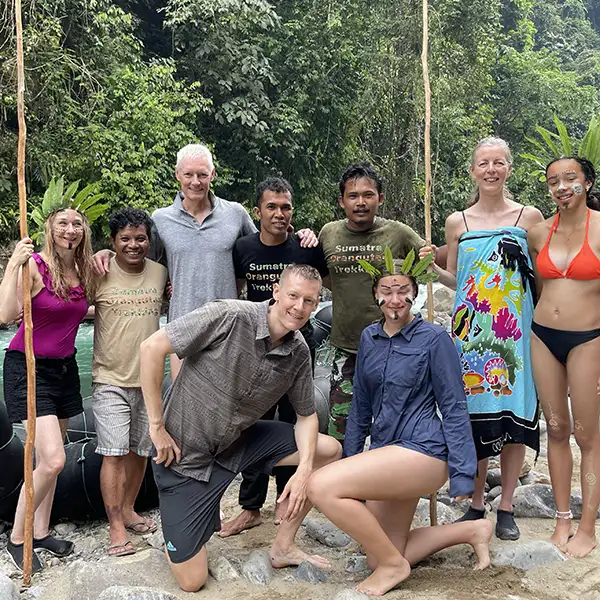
{"x":361,"y":235}
{"x":127,"y":303}
{"x":259,"y":260}
{"x":239,"y":358}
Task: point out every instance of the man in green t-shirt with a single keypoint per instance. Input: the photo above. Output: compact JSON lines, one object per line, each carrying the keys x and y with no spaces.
{"x":361,"y":235}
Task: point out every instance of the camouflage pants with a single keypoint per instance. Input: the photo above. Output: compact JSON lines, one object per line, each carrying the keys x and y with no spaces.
{"x":340,"y":396}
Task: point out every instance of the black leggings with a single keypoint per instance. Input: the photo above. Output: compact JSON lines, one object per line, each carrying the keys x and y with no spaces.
{"x":561,"y":342}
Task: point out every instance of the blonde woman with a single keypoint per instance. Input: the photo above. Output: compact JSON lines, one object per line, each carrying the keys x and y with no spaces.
{"x":491,"y":324}
{"x":60,"y":276}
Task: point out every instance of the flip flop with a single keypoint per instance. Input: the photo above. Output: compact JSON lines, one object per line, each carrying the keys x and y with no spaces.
{"x":142,"y":527}
{"x":123,"y":549}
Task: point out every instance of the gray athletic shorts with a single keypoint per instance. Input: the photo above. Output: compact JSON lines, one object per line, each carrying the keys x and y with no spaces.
{"x":189,"y":509}
{"x":121,"y":420}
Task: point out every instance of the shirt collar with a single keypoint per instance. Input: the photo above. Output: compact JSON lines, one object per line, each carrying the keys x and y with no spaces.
{"x":178,"y":202}
{"x":407,"y":332}
{"x":262,"y":329}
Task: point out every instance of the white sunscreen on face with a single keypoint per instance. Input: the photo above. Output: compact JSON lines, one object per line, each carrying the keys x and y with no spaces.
{"x":577,"y":188}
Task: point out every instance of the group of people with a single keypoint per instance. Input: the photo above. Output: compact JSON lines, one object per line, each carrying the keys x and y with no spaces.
{"x":523,"y":320}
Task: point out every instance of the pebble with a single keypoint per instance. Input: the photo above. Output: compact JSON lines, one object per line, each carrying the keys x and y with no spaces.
{"x":527,"y":556}
{"x":222,"y":570}
{"x":327,"y":533}
{"x":306,"y":571}
{"x":258,"y":569}
{"x":8,"y":590}
{"x":64,"y":528}
{"x":156,"y":540}
{"x":356,"y":564}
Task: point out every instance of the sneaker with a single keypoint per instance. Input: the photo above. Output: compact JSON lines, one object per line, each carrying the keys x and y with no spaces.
{"x":506,"y":526}
{"x":60,"y":548}
{"x":473,"y":514}
{"x":15,"y":551}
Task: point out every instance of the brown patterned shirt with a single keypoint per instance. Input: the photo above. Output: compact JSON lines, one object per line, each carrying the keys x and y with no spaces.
{"x":230,"y":378}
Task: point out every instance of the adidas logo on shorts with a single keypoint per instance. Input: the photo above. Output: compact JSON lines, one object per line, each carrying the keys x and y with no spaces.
{"x":170,"y":547}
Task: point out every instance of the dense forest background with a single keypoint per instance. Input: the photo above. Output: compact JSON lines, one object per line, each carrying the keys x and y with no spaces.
{"x":292,"y":87}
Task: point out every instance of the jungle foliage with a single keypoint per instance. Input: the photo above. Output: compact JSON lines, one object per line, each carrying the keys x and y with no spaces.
{"x":296,"y":87}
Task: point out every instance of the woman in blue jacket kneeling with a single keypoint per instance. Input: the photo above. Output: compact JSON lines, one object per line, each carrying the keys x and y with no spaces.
{"x":405,"y":369}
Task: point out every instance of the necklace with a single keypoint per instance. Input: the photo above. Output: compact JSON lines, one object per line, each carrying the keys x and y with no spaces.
{"x":575,"y":229}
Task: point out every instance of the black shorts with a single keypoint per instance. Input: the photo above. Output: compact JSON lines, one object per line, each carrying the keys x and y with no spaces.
{"x":189,"y":509}
{"x":57,"y":387}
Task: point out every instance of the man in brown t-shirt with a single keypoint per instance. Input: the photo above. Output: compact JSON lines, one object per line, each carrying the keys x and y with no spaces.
{"x":239,"y":358}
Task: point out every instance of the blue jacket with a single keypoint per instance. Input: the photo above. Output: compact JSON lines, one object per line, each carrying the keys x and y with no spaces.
{"x":398,"y":383}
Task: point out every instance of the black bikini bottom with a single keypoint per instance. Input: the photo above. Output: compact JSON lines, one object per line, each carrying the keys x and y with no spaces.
{"x":561,"y":342}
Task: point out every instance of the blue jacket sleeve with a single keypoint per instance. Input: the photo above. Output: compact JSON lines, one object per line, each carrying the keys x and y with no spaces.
{"x":361,"y":412}
{"x":450,"y":397}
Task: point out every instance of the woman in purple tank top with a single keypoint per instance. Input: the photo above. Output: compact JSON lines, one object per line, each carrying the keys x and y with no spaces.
{"x":61,"y":276}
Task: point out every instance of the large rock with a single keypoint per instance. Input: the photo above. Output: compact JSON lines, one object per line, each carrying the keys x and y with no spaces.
{"x":494,"y":493}
{"x":493,"y":478}
{"x":147,"y":568}
{"x":306,"y":571}
{"x":443,"y":300}
{"x":535,"y":477}
{"x":122,"y":592}
{"x":445,"y":514}
{"x":527,"y":556}
{"x":258,"y":569}
{"x":327,"y":533}
{"x":222,"y":570}
{"x":156,"y":540}
{"x":536,"y":500}
{"x":8,"y":590}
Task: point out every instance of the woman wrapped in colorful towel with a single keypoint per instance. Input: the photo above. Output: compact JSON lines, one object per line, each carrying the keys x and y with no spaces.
{"x":406,"y":368}
{"x":491,"y":325}
{"x":566,"y":342}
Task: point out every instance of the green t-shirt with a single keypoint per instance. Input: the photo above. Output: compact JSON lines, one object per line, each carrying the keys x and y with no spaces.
{"x":353,"y":305}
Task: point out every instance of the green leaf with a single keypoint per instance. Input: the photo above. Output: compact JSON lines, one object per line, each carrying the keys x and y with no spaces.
{"x":422,"y":265}
{"x":547,"y":137}
{"x":408,"y":262}
{"x":69,"y":193}
{"x":567,"y":144}
{"x":369,"y":268}
{"x":389,"y":260}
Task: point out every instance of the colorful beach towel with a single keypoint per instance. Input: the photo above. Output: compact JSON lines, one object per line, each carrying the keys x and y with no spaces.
{"x":491,"y":327}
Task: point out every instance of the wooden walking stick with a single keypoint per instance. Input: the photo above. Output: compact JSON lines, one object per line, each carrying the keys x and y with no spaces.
{"x":424,"y":61}
{"x":27,"y":322}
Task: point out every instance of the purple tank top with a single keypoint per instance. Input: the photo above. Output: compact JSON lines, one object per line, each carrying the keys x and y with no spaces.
{"x":55,"y":321}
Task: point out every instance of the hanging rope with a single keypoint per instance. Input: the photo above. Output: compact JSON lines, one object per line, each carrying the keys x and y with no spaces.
{"x":28,"y":324}
{"x":425,"y":63}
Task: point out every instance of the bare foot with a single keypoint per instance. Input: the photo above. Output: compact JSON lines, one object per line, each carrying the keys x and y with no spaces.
{"x":480,"y":540}
{"x":247,"y":519}
{"x":294,"y":556}
{"x":563,"y":531}
{"x":280,"y":510}
{"x":580,"y":545}
{"x":384,"y":578}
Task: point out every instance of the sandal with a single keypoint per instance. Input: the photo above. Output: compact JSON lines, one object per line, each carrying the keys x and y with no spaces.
{"x":60,"y":548}
{"x":506,"y":526}
{"x":123,"y":549}
{"x":142,"y":527}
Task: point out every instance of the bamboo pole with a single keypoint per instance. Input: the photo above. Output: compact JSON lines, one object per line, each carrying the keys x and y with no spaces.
{"x":27,"y":321}
{"x":425,"y":63}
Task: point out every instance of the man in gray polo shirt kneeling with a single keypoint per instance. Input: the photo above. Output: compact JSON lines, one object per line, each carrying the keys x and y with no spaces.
{"x":239,"y":359}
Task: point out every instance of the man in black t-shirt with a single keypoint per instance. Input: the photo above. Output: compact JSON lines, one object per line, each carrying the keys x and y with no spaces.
{"x":259,"y":259}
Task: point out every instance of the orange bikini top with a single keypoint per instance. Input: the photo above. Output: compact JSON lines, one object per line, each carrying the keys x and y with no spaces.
{"x":585,"y":265}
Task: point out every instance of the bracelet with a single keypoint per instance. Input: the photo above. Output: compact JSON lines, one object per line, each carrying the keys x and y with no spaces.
{"x":566,"y":515}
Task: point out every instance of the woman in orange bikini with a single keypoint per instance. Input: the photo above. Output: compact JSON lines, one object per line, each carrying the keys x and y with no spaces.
{"x":566,"y":342}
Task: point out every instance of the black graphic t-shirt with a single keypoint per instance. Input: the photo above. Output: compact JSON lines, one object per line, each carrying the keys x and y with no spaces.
{"x":261,"y":265}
